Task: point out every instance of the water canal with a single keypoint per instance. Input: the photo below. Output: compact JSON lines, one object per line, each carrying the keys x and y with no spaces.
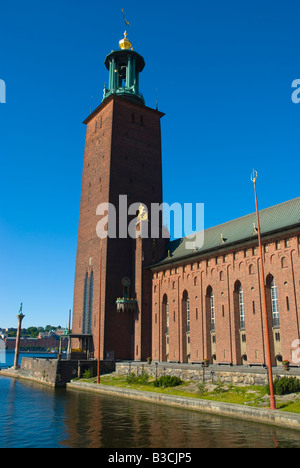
{"x":34,"y":416}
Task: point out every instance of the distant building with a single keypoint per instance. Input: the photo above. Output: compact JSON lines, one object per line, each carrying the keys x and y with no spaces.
{"x":42,"y":342}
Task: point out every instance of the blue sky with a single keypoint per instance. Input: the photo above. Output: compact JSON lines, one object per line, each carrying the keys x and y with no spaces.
{"x":222,"y":72}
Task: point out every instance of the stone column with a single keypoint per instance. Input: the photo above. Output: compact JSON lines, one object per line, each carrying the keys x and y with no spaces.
{"x":20,"y":317}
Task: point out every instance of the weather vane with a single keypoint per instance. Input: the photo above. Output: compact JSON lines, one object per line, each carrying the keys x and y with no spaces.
{"x":126,"y":22}
{"x":125,"y":43}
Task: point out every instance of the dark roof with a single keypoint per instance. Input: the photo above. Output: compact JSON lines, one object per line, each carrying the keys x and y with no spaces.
{"x":277,"y":218}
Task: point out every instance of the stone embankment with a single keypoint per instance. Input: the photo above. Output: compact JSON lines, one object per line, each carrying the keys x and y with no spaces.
{"x":267,"y":416}
{"x":196,"y":372}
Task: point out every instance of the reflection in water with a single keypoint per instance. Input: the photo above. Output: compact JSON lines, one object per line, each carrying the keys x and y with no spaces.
{"x":113,"y":422}
{"x":36,"y":416}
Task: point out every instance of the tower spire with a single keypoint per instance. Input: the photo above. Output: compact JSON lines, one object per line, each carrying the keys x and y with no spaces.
{"x":124,"y":68}
{"x":125,"y":43}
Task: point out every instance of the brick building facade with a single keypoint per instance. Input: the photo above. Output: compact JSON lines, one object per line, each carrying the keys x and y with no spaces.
{"x":122,"y":157}
{"x":151,"y":299}
{"x":208,"y":304}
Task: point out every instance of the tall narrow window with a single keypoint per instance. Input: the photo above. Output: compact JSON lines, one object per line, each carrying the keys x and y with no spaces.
{"x":274,"y":302}
{"x":90,"y":305}
{"x":85,"y":302}
{"x":212,"y":310}
{"x":188,"y":315}
{"x":241,"y":308}
{"x":167,"y":314}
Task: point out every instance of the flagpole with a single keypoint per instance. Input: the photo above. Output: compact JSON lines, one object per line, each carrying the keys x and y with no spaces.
{"x":272,"y":397}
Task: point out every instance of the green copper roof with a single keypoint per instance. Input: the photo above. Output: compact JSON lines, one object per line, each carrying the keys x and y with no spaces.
{"x":277,"y":218}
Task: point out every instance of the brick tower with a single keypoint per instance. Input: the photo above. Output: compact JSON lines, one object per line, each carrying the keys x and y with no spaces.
{"x":122,"y":157}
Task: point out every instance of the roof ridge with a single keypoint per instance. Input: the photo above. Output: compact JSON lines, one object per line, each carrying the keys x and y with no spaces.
{"x":240,"y":218}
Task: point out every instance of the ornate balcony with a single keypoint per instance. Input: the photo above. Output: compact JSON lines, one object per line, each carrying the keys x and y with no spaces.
{"x":124,"y":304}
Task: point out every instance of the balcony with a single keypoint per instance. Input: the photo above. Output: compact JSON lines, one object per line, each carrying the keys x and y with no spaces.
{"x":125,"y":304}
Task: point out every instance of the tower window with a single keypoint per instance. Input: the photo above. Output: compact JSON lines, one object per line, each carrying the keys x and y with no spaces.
{"x":85,"y":302}
{"x":87,"y":312}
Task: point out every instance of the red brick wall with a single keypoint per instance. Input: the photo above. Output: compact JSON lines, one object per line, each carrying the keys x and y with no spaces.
{"x":221,"y":271}
{"x":122,"y":156}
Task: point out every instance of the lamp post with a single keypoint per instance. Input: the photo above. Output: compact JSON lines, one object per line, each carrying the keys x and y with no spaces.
{"x":20,"y":317}
{"x":263,"y":286}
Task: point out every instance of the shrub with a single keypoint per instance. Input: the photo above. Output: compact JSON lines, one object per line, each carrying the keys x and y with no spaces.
{"x":167,"y":381}
{"x":285,"y":385}
{"x":201,"y":388}
{"x":138,"y":379}
{"x":220,"y":387}
{"x":87,"y":374}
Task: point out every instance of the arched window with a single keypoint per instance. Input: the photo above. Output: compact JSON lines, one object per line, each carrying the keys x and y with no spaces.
{"x":165,"y":327}
{"x":274,"y":303}
{"x":188,"y":315}
{"x":165,"y":308}
{"x":241,"y":307}
{"x":212,"y":310}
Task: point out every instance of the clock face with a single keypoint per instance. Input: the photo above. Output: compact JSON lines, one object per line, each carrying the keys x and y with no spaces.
{"x":126,"y":281}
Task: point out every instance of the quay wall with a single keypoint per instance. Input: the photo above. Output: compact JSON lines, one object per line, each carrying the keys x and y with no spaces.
{"x":55,"y":372}
{"x":266,"y":416}
{"x":194,"y":372}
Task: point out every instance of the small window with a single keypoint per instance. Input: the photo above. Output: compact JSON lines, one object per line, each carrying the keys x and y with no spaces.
{"x":287,"y":303}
